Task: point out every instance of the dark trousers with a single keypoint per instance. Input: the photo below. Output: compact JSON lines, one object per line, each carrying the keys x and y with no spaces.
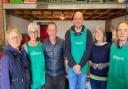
{"x":98,"y":84}
{"x":57,"y":82}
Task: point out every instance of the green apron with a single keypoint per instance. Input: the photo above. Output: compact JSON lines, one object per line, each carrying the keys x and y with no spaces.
{"x":118,"y":70}
{"x":78,"y":46}
{"x":36,"y":56}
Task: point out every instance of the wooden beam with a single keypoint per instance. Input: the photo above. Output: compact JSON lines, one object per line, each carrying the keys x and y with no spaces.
{"x":102,"y":14}
{"x":94,"y":12}
{"x":107,"y":25}
{"x":17,"y":12}
{"x":57,"y":12}
{"x":28,"y":12}
{"x":47,"y":12}
{"x":37,"y":12}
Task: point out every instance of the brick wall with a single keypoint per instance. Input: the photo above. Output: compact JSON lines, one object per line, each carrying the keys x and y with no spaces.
{"x":1,"y":24}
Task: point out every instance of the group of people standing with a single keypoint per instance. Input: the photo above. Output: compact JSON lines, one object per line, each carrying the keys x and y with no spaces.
{"x":36,"y":65}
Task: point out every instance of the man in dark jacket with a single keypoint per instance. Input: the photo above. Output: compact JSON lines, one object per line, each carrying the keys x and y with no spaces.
{"x":54,"y":57}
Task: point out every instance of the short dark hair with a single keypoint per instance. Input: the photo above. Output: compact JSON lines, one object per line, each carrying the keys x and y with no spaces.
{"x":52,"y":23}
{"x":76,"y":12}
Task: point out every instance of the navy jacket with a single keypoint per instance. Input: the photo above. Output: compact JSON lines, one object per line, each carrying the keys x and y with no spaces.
{"x":14,"y":69}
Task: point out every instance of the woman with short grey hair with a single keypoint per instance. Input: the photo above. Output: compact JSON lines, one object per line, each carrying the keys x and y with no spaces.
{"x":99,"y":60}
{"x":36,"y":57}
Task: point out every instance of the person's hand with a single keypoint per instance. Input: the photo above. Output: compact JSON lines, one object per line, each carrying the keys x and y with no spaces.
{"x":100,"y":66}
{"x":103,"y":65}
{"x":77,"y":69}
{"x":66,"y":64}
{"x":90,"y":63}
{"x":95,"y":66}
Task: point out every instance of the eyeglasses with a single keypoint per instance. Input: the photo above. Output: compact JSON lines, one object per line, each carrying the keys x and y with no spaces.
{"x":15,"y":38}
{"x":122,"y":29}
{"x":33,"y":32}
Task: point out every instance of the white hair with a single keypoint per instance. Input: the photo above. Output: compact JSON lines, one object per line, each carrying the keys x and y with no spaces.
{"x":33,"y":26}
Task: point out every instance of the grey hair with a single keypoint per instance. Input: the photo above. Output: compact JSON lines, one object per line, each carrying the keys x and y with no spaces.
{"x":101,"y":29}
{"x":33,"y":26}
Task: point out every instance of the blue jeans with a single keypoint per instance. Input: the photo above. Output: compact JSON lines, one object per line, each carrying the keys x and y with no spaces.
{"x":76,"y":81}
{"x":98,"y":84}
{"x":38,"y":87}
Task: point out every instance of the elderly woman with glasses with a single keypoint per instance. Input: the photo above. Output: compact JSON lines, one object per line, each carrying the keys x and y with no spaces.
{"x":36,"y":56}
{"x":14,"y":63}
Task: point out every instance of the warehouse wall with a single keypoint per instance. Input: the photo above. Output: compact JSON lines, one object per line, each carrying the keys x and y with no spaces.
{"x":62,"y":25}
{"x":116,"y":21}
{"x":17,"y":22}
